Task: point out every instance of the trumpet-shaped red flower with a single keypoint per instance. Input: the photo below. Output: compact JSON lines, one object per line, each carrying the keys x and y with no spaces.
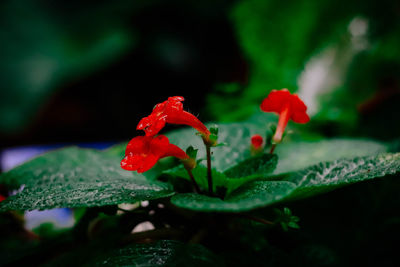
{"x":143,"y":152}
{"x":170,"y":111}
{"x":288,"y":106}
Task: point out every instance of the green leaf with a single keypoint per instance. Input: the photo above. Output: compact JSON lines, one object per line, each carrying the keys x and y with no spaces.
{"x":286,"y":219}
{"x":250,"y":196}
{"x":293,"y":225}
{"x":295,"y":156}
{"x":327,"y":176}
{"x":236,"y":135}
{"x":161,"y":253}
{"x":200,"y":175}
{"x":284,"y":226}
{"x":74,"y":177}
{"x":314,"y":180}
{"x":192,"y":152}
{"x":292,"y":155}
{"x":287,"y":211}
{"x":256,"y":168}
{"x":294,"y":219}
{"x":258,"y":165}
{"x":117,"y":150}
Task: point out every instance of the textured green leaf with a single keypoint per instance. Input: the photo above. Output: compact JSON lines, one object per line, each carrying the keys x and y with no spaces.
{"x":117,"y":150}
{"x":327,"y":176}
{"x":292,"y":155}
{"x":200,"y":175}
{"x":314,"y":180}
{"x":74,"y":177}
{"x":259,"y":166}
{"x":250,"y":196}
{"x":161,"y":253}
{"x":295,"y":156}
{"x":235,"y":135}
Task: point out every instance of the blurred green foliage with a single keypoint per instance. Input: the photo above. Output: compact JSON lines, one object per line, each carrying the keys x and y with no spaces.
{"x":281,"y":38}
{"x":350,"y":48}
{"x":44,"y":46}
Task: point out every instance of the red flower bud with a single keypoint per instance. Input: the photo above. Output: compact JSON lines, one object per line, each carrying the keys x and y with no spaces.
{"x":143,"y":152}
{"x":256,"y":147}
{"x":257,"y":141}
{"x":170,"y":111}
{"x":288,"y":106}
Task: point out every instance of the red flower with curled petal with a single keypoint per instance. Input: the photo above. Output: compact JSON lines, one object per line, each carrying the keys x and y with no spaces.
{"x":143,"y":152}
{"x":288,"y":106}
{"x":170,"y":111}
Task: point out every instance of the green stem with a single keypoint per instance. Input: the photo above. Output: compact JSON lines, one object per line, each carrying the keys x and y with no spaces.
{"x":196,"y":186}
{"x":209,"y":175}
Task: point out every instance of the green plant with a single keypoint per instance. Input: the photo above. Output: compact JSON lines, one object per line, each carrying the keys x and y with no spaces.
{"x":249,"y":198}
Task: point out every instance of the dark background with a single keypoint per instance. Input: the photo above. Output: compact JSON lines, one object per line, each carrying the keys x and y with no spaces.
{"x":181,"y":50}
{"x":88,"y":71}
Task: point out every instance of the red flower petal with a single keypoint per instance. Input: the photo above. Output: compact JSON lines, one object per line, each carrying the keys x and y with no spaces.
{"x":159,"y":145}
{"x":170,"y":111}
{"x":139,"y":163}
{"x":175,"y":151}
{"x":143,"y":152}
{"x":136,"y":144}
{"x":275,"y":101}
{"x":187,"y":118}
{"x":148,"y":163}
{"x":174,"y":105}
{"x":279,"y":100}
{"x":152,"y":124}
{"x":300,"y":117}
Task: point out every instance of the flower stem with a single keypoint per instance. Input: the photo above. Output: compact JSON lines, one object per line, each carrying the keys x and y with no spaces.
{"x":209,"y":175}
{"x":256,"y":219}
{"x":272,"y":148}
{"x":196,"y":186}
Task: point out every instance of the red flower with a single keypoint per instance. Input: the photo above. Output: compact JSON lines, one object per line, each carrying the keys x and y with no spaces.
{"x":257,"y":141}
{"x":2,"y":198}
{"x":170,"y":111}
{"x":143,"y":152}
{"x":288,"y":106}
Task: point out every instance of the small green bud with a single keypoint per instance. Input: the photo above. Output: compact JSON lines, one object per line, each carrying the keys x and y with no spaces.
{"x":214,"y":130}
{"x":192,"y":152}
